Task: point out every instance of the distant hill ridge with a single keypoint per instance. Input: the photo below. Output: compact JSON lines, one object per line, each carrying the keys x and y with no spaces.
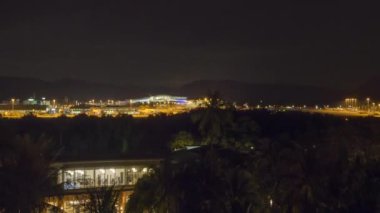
{"x":265,"y":93}
{"x":229,"y":90}
{"x":71,"y":88}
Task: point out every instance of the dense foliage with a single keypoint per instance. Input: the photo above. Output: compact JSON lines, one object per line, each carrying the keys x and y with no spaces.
{"x":26,"y":179}
{"x":249,"y":161}
{"x":330,"y":165}
{"x":102,"y":200}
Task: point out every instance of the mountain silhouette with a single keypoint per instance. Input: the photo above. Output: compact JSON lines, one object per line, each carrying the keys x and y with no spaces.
{"x":237,"y":91}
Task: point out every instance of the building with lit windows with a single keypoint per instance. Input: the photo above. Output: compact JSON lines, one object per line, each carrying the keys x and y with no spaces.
{"x":160,"y":99}
{"x":78,"y":179}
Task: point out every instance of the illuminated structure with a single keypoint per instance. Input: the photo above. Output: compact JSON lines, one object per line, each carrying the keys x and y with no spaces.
{"x":79,"y":178}
{"x":160,"y":99}
{"x":30,"y":101}
{"x":351,"y":102}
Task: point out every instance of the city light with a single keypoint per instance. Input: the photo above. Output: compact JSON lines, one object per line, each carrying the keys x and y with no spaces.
{"x":165,"y":105}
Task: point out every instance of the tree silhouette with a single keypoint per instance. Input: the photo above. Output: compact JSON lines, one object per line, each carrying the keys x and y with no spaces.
{"x":204,"y":182}
{"x":26,"y":178}
{"x":181,"y":140}
{"x":102,"y":200}
{"x":220,"y":124}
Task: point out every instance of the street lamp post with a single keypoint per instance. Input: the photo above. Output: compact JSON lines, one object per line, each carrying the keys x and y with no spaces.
{"x":13,"y":104}
{"x":368,"y":99}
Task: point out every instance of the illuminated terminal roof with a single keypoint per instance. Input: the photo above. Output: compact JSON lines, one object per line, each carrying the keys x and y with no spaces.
{"x":161,"y":99}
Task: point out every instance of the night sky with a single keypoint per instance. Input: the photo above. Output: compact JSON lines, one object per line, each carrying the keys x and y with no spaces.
{"x":158,"y":42}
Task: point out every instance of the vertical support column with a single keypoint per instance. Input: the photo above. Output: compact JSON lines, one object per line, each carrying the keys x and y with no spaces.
{"x":94,"y":178}
{"x":125,"y":176}
{"x":63,"y":176}
{"x":74,"y":179}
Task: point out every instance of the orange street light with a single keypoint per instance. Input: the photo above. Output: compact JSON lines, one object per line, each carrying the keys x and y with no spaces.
{"x":13,"y":103}
{"x":368,"y":100}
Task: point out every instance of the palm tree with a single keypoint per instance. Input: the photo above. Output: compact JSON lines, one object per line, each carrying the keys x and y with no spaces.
{"x":219,"y":124}
{"x":213,"y":120}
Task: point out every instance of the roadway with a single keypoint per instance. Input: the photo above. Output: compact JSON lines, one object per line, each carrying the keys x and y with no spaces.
{"x":344,"y":112}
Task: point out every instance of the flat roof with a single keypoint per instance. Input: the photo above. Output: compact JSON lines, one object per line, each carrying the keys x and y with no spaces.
{"x":105,"y":163}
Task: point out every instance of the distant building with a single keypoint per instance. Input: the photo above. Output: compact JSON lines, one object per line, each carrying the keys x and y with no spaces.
{"x":45,"y":102}
{"x":30,"y":101}
{"x":34,"y":101}
{"x":160,"y":99}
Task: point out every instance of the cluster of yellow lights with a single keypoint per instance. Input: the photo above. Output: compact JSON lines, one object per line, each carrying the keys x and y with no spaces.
{"x":350,"y":100}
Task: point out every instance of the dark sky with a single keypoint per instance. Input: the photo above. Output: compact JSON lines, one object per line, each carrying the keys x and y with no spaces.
{"x":330,"y":43}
